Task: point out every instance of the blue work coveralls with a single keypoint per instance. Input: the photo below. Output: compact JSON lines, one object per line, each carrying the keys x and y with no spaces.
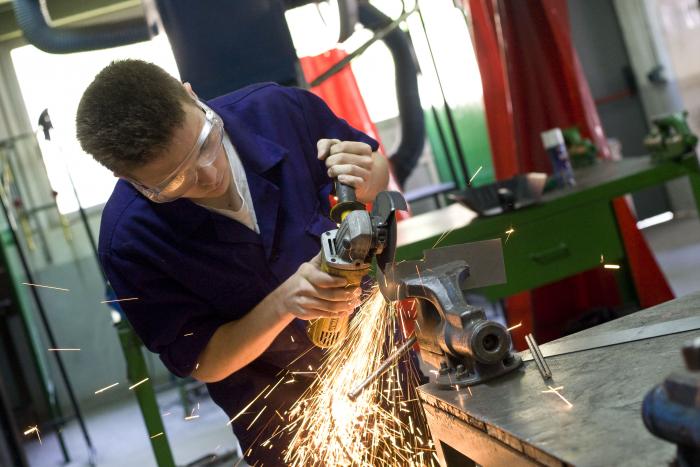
{"x":193,"y":270}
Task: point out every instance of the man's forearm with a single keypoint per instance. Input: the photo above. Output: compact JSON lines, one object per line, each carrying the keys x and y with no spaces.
{"x":239,"y":342}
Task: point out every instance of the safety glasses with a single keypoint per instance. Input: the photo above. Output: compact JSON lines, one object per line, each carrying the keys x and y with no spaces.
{"x":203,"y":154}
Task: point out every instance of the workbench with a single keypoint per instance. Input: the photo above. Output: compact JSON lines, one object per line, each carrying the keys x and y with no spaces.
{"x":510,"y":421}
{"x":565,"y":234}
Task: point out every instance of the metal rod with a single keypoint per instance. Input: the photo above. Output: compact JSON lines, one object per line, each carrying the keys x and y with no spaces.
{"x":48,"y":387}
{"x":335,"y":68}
{"x":541,"y":363}
{"x":461,"y":158}
{"x":445,"y":145}
{"x":47,"y":327}
{"x":405,"y":347}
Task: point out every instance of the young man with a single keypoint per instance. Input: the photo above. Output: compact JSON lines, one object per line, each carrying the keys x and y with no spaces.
{"x":214,"y":227}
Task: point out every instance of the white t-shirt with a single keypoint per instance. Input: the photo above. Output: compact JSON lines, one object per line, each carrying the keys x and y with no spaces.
{"x":246,"y":214}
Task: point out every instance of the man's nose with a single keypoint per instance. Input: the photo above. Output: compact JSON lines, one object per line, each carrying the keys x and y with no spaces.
{"x":206,"y":175}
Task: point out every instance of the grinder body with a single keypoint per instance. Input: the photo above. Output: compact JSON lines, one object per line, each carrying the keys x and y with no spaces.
{"x":337,"y":260}
{"x":348,"y":250}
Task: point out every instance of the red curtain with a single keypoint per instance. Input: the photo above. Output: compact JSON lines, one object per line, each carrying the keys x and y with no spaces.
{"x":533,"y":81}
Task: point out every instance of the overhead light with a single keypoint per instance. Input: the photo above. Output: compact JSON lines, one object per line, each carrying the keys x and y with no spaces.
{"x":655,"y":220}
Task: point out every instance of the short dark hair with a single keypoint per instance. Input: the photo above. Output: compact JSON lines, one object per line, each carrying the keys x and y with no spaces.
{"x":129,"y":113}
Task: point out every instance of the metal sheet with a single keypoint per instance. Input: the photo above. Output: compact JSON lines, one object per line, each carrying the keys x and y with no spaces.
{"x":616,"y":337}
{"x":485,"y":260}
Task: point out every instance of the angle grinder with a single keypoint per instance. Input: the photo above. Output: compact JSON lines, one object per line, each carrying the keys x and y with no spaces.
{"x":348,"y":250}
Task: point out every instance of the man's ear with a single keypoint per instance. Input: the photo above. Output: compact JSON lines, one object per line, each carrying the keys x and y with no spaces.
{"x":188,"y":88}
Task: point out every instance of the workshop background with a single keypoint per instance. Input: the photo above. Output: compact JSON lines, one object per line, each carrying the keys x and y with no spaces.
{"x":457,"y":92}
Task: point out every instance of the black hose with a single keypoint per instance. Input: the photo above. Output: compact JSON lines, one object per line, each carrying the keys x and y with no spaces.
{"x":33,"y":24}
{"x":404,"y":160}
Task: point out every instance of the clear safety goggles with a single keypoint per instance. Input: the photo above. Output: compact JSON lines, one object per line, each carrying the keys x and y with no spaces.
{"x":203,"y":154}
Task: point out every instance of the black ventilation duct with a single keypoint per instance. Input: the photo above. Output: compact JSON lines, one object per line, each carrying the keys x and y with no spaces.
{"x":404,"y":160}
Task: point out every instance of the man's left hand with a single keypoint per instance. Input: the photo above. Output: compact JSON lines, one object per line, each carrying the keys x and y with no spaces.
{"x":354,"y":164}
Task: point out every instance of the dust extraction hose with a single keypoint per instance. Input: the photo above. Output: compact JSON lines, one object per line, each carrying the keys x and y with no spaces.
{"x":32,"y":22}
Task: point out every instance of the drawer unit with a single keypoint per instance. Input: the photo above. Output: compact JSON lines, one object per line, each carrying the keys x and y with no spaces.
{"x":561,"y":245}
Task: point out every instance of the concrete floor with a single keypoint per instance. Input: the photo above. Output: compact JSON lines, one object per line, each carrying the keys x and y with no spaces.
{"x":120,"y":437}
{"x":676,"y":245}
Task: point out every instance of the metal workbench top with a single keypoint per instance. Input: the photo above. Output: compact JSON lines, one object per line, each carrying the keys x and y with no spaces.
{"x":605,"y":385}
{"x":604,"y":180}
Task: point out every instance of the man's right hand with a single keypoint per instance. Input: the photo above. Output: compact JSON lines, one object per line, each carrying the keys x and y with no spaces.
{"x":311,"y":293}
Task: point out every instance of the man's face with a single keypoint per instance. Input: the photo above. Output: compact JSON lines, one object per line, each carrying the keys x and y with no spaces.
{"x":211,"y":181}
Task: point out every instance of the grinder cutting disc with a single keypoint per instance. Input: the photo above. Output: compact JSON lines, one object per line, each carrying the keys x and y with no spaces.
{"x":384,"y":215}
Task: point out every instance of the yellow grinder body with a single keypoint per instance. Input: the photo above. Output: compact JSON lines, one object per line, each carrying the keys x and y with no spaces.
{"x":327,"y":332}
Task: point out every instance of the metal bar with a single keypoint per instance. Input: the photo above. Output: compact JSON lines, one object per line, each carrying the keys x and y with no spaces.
{"x":461,"y":157}
{"x":92,"y":454}
{"x":616,"y":337}
{"x":146,"y":396}
{"x":542,"y":365}
{"x":11,"y":452}
{"x":335,"y":68}
{"x":446,"y":147}
{"x":405,"y":347}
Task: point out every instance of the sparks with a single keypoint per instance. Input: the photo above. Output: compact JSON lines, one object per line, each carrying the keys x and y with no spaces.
{"x":117,"y":300}
{"x":509,"y":232}
{"x":34,"y":429}
{"x":248,"y":406}
{"x":64,"y":350}
{"x":515,"y":327}
{"x":612,"y":266}
{"x":256,"y":418}
{"x":475,"y":174}
{"x":273,"y":387}
{"x":46,"y":286}
{"x":138,"y":384}
{"x":105,"y":388}
{"x":191,"y":417}
{"x":556,"y":391}
{"x":440,"y":239}
{"x":328,"y":428}
{"x":188,"y":334}
{"x":421,"y":279}
{"x":602,"y":258}
{"x":157,"y":435}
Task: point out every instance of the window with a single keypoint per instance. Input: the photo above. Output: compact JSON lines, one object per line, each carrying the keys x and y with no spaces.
{"x":57,"y":82}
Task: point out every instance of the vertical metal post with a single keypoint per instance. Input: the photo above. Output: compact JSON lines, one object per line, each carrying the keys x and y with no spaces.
{"x":48,"y":388}
{"x":47,"y":327}
{"x":137,"y":371}
{"x":461,"y":157}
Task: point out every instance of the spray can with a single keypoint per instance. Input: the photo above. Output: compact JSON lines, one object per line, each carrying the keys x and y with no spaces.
{"x":553,"y":141}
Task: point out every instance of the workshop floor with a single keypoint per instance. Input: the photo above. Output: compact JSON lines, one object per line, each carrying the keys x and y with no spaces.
{"x":676,"y":245}
{"x":120,"y":437}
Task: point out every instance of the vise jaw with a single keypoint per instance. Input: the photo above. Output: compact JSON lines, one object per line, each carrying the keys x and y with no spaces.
{"x":453,"y":335}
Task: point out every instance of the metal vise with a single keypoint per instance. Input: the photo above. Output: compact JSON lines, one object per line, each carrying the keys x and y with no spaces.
{"x":453,"y":335}
{"x":672,"y":409}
